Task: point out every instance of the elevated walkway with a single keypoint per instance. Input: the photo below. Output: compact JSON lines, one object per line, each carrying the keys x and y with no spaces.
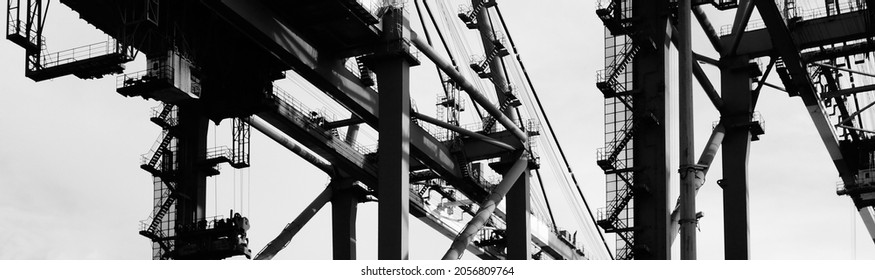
{"x":86,"y":62}
{"x":809,"y":30}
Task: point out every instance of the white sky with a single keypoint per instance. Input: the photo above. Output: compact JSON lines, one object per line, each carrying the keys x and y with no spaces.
{"x":71,"y":188}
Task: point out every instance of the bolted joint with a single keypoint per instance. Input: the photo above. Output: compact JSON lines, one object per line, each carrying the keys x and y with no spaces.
{"x":696,"y":169}
{"x":688,"y":221}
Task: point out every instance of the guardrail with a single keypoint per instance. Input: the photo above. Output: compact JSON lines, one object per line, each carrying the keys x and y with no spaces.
{"x":152,"y":74}
{"x":110,"y":46}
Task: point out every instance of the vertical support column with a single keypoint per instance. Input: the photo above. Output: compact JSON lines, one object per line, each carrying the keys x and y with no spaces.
{"x":344,"y":209}
{"x":519,"y":233}
{"x":518,"y":203}
{"x":736,"y":88}
{"x":651,"y":146}
{"x":393,"y":74}
{"x":496,"y":68}
{"x":191,"y":133}
{"x":688,"y":171}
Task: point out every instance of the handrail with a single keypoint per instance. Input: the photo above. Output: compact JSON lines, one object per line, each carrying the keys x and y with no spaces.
{"x":802,"y":15}
{"x":152,"y":74}
{"x":220,"y":151}
{"x":77,"y":54}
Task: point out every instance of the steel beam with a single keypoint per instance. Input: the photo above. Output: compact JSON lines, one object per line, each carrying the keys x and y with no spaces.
{"x":487,"y":208}
{"x":806,"y":34}
{"x":290,"y":144}
{"x":518,"y":219}
{"x":705,"y":59}
{"x":868,"y":216}
{"x":393,"y":176}
{"x":342,"y":123}
{"x":742,"y":16}
{"x":191,"y":152}
{"x":652,"y":77}
{"x":518,"y":233}
{"x":329,"y":75}
{"x":771,"y":85}
{"x":844,"y":69}
{"x":352,"y":133}
{"x":736,"y":86}
{"x":344,"y":211}
{"x":704,"y":164}
{"x":838,"y":51}
{"x":762,"y":80}
{"x":688,"y":172}
{"x":345,"y":159}
{"x":475,"y":135}
{"x":700,"y":75}
{"x":781,"y":38}
{"x":708,"y":28}
{"x":282,"y":240}
{"x":468,"y":87}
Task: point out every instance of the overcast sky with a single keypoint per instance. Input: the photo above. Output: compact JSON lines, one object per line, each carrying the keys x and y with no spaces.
{"x":71,"y":188}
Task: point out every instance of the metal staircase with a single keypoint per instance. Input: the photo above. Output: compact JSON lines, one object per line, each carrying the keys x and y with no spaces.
{"x":162,"y":118}
{"x":365,"y":73}
{"x":159,"y":215}
{"x":150,"y":166}
{"x":609,"y":80}
{"x":616,"y":16}
{"x":489,"y":122}
{"x":607,"y":157}
{"x":161,"y":164}
{"x":470,"y":17}
{"x":615,"y":82}
{"x":498,"y":50}
{"x":621,"y":200}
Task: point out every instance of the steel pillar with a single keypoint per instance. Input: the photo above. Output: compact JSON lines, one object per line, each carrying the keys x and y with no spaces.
{"x":393,"y":71}
{"x":651,"y":175}
{"x":688,"y":171}
{"x":344,"y":209}
{"x":518,"y":218}
{"x":704,"y":164}
{"x":736,"y":88}
{"x":191,"y":152}
{"x":518,"y":233}
{"x":496,"y":67}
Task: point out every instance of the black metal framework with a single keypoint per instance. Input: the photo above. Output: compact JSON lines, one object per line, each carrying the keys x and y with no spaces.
{"x":26,"y":33}
{"x":240,"y":143}
{"x":616,"y":158}
{"x":161,"y":162}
